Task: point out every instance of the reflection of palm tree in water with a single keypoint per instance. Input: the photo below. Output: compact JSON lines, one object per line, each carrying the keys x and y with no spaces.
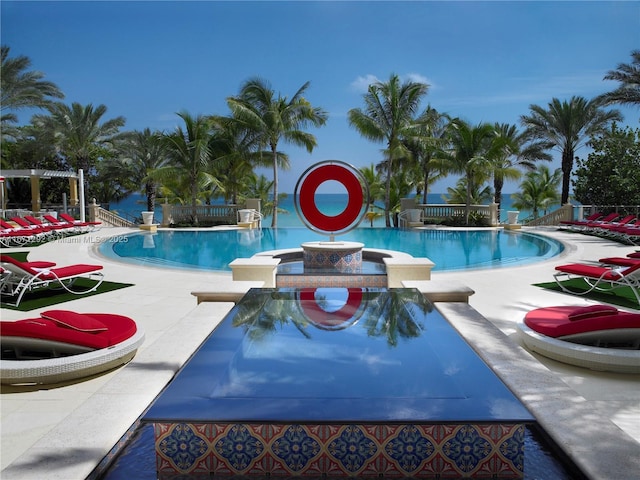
{"x":394,"y":315}
{"x":260,"y":314}
{"x":495,"y":246}
{"x":470,"y":242}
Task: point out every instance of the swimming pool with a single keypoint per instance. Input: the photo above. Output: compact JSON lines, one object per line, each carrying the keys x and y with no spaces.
{"x":215,"y":249}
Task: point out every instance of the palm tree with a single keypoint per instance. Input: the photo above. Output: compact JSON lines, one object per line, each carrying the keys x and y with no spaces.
{"x":426,"y":143}
{"x":234,"y":149}
{"x":566,"y":126}
{"x":376,"y":191}
{"x":20,"y":88}
{"x":389,"y":111}
{"x":471,"y":151}
{"x":81,"y":136}
{"x":189,"y":153}
{"x":512,"y":153}
{"x":539,"y":190}
{"x":628,"y":75}
{"x":479,"y":194}
{"x":259,"y":186}
{"x":143,"y":152}
{"x":273,"y":118}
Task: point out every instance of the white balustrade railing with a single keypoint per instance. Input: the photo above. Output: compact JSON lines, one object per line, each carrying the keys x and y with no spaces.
{"x":208,"y":214}
{"x":442,"y":211}
{"x":110,"y":218}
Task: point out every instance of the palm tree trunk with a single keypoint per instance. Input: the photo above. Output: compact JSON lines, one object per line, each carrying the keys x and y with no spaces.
{"x":498,"y":183}
{"x":426,"y":185}
{"x":194,"y":196}
{"x":567,"y":166}
{"x":274,"y":217}
{"x":151,"y":196}
{"x":387,"y":196}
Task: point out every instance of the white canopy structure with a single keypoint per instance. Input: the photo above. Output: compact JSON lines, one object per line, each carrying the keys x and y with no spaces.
{"x":35,"y":175}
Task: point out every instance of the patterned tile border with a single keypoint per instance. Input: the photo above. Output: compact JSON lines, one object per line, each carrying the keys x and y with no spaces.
{"x":344,"y":281}
{"x":388,"y":451}
{"x":343,"y":261}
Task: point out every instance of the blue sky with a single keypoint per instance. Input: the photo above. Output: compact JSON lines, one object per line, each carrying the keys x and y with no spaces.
{"x":484,"y":61}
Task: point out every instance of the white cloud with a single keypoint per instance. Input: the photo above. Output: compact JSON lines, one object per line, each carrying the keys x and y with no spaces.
{"x":417,"y":78}
{"x":361,"y":84}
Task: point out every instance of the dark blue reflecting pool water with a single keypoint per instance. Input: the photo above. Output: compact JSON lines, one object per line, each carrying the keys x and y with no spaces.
{"x":448,"y":249}
{"x":335,"y":355}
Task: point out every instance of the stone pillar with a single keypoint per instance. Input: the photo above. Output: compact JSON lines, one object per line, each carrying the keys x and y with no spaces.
{"x":167,"y":218}
{"x":494,"y":218}
{"x":407,"y":204}
{"x":93,"y":211}
{"x":253,"y":204}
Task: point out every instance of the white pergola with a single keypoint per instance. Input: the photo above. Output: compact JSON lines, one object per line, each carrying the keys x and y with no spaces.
{"x":76,"y":186}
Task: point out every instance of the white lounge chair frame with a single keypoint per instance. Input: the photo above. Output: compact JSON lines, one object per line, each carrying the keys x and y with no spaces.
{"x":601,"y":284}
{"x":19,"y":282}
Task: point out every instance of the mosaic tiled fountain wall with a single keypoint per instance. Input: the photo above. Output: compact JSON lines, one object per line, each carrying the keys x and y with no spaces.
{"x":366,"y":450}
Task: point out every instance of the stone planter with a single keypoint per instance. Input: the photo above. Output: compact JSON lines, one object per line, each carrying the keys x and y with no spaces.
{"x":147,"y":218}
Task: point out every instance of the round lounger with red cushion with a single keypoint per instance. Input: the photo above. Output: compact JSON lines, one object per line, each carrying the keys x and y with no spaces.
{"x":577,"y":335}
{"x":62,"y":345}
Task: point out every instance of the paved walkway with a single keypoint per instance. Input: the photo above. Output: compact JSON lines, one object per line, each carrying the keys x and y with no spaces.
{"x":63,"y":433}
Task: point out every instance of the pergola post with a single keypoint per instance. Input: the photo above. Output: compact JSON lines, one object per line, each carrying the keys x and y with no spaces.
{"x":81,"y":180}
{"x":35,"y":192}
{"x":73,"y":192}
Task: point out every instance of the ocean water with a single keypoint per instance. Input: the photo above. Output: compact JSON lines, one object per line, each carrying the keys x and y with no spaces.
{"x":328,"y":203}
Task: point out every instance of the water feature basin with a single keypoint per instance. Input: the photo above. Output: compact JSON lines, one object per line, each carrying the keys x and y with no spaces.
{"x":293,"y":380}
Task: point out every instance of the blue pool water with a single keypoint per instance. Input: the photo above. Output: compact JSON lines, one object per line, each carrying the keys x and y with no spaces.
{"x":448,"y":249}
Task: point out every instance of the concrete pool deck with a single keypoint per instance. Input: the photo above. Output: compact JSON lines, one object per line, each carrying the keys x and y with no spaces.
{"x":63,"y":433}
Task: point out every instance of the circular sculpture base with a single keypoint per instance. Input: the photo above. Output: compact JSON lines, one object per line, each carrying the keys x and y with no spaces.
{"x":341,"y":257}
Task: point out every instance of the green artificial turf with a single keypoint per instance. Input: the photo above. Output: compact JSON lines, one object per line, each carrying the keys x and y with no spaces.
{"x":47,"y":297}
{"x":622,"y":297}
{"x":19,"y":256}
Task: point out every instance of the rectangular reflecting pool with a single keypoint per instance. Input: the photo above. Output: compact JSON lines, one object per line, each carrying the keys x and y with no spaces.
{"x":337,"y":382}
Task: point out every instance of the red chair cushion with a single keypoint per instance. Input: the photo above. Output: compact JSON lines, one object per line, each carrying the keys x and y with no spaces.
{"x":76,"y":321}
{"x":591,"y":311}
{"x":554,"y":321}
{"x":68,"y":327}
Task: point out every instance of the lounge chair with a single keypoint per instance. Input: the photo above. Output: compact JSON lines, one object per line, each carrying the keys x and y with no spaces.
{"x":600,"y":337}
{"x":62,"y":229}
{"x":25,"y":277}
{"x":609,"y":228}
{"x":21,"y":235}
{"x":54,"y":221}
{"x":47,"y":231}
{"x":600,"y":278}
{"x":619,"y":261}
{"x":576,"y":223}
{"x":630,"y":234}
{"x":63,"y":345}
{"x":10,"y":237}
{"x":590,"y":226}
{"x":86,"y":226}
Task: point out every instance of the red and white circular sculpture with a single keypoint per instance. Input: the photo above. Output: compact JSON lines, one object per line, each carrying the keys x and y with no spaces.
{"x":357,"y":194}
{"x":332,"y":256}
